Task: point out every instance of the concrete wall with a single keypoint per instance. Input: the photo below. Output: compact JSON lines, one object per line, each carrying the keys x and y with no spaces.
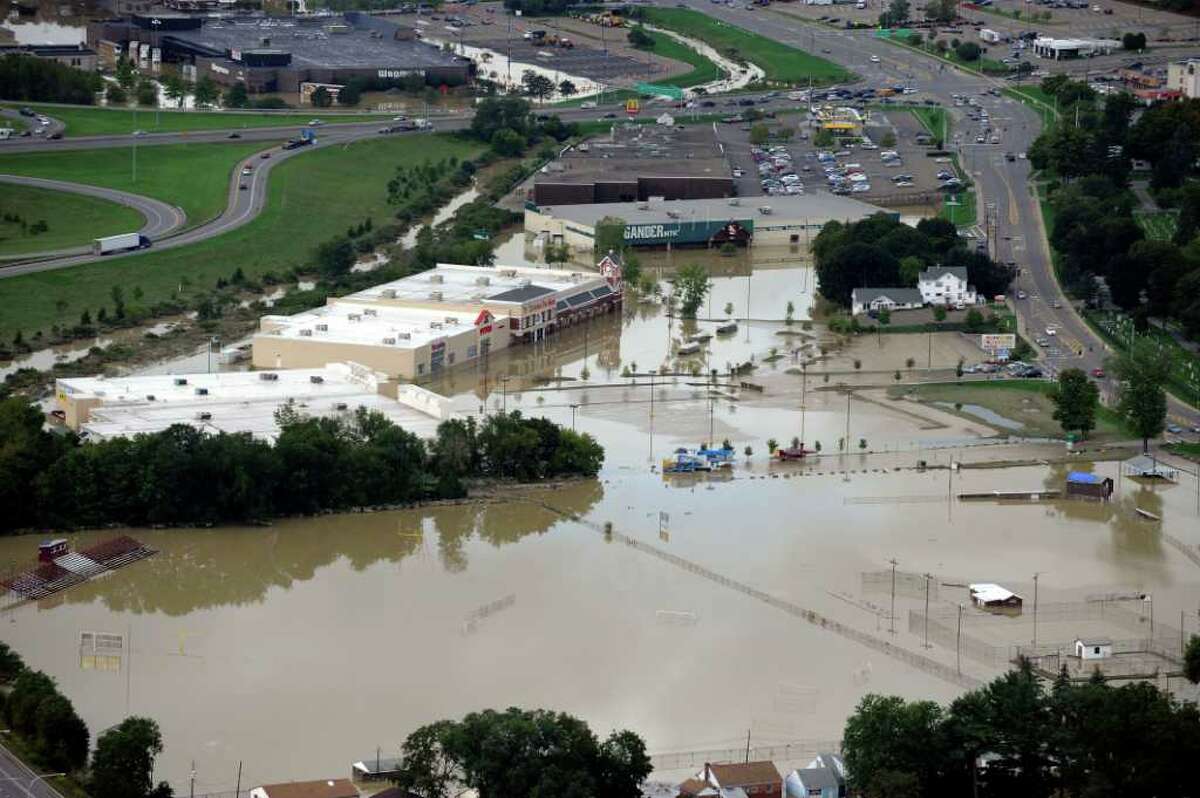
{"x":275,"y":352}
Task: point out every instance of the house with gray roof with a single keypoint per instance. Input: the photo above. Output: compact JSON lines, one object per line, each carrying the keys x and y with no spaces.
{"x":863,"y":300}
{"x":946,"y":285}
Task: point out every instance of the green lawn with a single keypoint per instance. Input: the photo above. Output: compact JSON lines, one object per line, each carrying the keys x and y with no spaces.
{"x":1024,"y":401}
{"x":86,"y":120}
{"x":934,"y":118}
{"x":779,"y":61}
{"x":704,"y":70}
{"x":1158,"y":226}
{"x":74,"y":219}
{"x":195,"y":177}
{"x":313,"y":197}
{"x":1035,"y":98}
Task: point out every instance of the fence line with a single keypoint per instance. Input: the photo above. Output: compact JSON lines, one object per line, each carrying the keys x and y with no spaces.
{"x":781,"y":752}
{"x":908,"y":584}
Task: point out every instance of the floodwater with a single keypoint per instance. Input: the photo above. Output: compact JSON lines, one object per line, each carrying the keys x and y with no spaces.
{"x":300,"y":648}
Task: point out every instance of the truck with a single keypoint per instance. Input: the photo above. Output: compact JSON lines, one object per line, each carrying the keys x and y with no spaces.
{"x":990,"y":36}
{"x":124,"y":242}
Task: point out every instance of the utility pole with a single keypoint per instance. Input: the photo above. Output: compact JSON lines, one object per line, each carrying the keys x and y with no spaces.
{"x":576,"y":407}
{"x":1035,"y":607}
{"x":237,"y":793}
{"x":892,"y":613}
{"x":192,"y":781}
{"x":504,"y":395}
{"x":927,"y":578}
{"x":958,"y":643}
{"x":747,"y":745}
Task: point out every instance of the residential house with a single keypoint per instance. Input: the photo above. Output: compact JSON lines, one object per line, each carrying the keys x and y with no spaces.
{"x":991,"y":596}
{"x":825,"y":777}
{"x":754,"y":779}
{"x":321,"y":788}
{"x":946,"y":285}
{"x":864,"y":300}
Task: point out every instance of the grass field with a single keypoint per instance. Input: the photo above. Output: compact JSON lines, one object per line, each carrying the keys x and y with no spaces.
{"x":779,"y":61}
{"x":1026,"y":402}
{"x":74,"y":219}
{"x":86,"y":120}
{"x":934,"y":118}
{"x":704,"y":70}
{"x":195,"y":177}
{"x":1035,"y":98}
{"x":312,"y":198}
{"x":1158,"y":226}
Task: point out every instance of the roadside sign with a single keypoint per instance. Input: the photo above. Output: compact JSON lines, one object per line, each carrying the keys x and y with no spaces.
{"x":632,"y":106}
{"x":994,"y":342}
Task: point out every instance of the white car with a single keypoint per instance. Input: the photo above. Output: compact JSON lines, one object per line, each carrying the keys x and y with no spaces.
{"x":1051,"y":331}
{"x":874,"y":59}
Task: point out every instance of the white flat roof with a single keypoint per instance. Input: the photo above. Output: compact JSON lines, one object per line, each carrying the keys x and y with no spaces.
{"x":1074,"y":44}
{"x":817,"y":207}
{"x":372,"y":325}
{"x":479,"y":284}
{"x":335,"y":379}
{"x":987,"y":592}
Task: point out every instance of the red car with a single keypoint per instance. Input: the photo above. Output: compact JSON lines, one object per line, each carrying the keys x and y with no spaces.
{"x":1098,"y":373}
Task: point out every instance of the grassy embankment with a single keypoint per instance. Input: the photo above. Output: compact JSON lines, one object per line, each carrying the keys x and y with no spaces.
{"x":311,"y":199}
{"x":74,"y":219}
{"x":86,"y":120}
{"x":983,"y":66}
{"x":1026,"y":402}
{"x":780,"y":62}
{"x":1035,"y":98}
{"x":1158,"y":226}
{"x":194,"y":177}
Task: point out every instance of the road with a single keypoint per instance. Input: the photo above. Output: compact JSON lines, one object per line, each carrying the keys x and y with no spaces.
{"x":160,"y":217}
{"x":18,"y":781}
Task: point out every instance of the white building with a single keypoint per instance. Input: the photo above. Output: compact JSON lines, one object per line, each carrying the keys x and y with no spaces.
{"x":1184,"y":76}
{"x":863,"y":300}
{"x":240,"y":401}
{"x":1093,"y":648}
{"x":946,"y":285}
{"x":1058,"y":49}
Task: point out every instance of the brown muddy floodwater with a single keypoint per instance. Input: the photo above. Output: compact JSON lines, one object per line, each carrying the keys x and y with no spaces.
{"x":302,"y":647}
{"x":749,"y":601}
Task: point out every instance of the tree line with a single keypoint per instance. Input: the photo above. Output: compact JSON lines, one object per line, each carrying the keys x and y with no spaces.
{"x":184,"y":476}
{"x":57,"y":739}
{"x":882,"y":252}
{"x":26,"y":78}
{"x":1015,"y":736}
{"x":1095,"y":228}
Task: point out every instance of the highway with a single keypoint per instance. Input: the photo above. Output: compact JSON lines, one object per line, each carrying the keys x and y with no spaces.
{"x":18,"y":781}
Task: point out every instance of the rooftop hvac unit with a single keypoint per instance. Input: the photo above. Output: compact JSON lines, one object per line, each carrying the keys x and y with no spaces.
{"x":355,"y":317}
{"x":389,"y":341}
{"x":451,"y":320}
{"x":269,"y":376}
{"x":181,"y":380}
{"x":307,"y":333}
{"x":370,"y":312}
{"x":340,"y":406}
{"x":524,"y":282}
{"x":508,"y":273}
{"x":322,"y":328}
{"x":204,"y":416}
{"x":389,"y":293}
{"x":735,"y":202}
{"x":435,"y":325}
{"x":483,"y":281}
{"x":149,"y":397}
{"x":404,"y":336}
{"x":645,"y":206}
{"x":436,"y":296}
{"x":201,"y":392}
{"x":437,"y":278}
{"x":316,"y":379}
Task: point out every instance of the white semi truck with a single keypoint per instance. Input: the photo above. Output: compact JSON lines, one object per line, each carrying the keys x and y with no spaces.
{"x":120,"y":243}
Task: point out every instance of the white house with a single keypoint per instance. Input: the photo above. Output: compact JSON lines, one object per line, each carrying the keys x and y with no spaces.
{"x":863,"y":300}
{"x":1093,"y":648}
{"x":825,"y":777}
{"x":946,"y":285}
{"x":1184,"y":77}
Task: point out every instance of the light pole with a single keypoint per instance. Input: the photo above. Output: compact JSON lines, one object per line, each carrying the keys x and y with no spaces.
{"x":1035,"y":608}
{"x":892,"y":612}
{"x":504,"y":395}
{"x":573,"y":409}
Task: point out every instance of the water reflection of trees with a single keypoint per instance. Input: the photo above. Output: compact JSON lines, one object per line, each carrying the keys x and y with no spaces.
{"x":1131,"y":534}
{"x":201,"y":569}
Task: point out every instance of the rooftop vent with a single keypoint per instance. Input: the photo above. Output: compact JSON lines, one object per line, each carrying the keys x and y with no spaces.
{"x":181,"y":380}
{"x":269,"y":376}
{"x":435,"y":325}
{"x":370,"y":312}
{"x":524,"y":282}
{"x":451,"y":320}
{"x":483,"y":281}
{"x":322,"y":328}
{"x":436,"y":296}
{"x":149,"y":397}
{"x":340,"y":406}
{"x":355,"y":317}
{"x":389,"y":341}
{"x":508,"y":273}
{"x":316,"y":379}
{"x":204,"y":416}
{"x":437,"y":278}
{"x":201,"y":392}
{"x":389,"y":293}
{"x":307,"y":333}
{"x":404,"y":336}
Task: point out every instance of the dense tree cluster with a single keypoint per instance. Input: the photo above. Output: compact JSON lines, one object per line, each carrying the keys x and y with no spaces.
{"x":508,"y":123}
{"x":35,"y":709}
{"x":29,"y":79}
{"x":1095,"y":230}
{"x":881,"y":252}
{"x":123,"y":765}
{"x":1016,"y":737}
{"x":521,"y":753}
{"x":1143,"y":370}
{"x":184,"y":476}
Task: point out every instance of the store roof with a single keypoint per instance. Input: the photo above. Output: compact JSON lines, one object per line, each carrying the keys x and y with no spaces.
{"x":817,"y":207}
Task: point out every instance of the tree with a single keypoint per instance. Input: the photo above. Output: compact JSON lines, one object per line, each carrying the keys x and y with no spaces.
{"x":205,"y":93}
{"x":759,"y":134}
{"x":1134,"y":41}
{"x":1142,"y":370}
{"x":1191,"y":660}
{"x":884,"y":316}
{"x":11,"y":664}
{"x":335,"y":257}
{"x":567,"y":89}
{"x":350,"y":95}
{"x":115,"y":94}
{"x":974,"y":320}
{"x":888,"y":140}
{"x":968,"y":51}
{"x":123,"y":765}
{"x":1075,"y":400}
{"x":537,"y":85}
{"x":146,"y":93}
{"x":939,"y":312}
{"x":691,"y":283}
{"x":321,"y":98}
{"x":941,"y":10}
{"x":823,"y":138}
{"x":236,"y":96}
{"x":126,"y":74}
{"x":640,"y":39}
{"x":174,"y":88}
{"x":896,"y":14}
{"x":62,"y":736}
{"x":891,"y":747}
{"x":508,"y":142}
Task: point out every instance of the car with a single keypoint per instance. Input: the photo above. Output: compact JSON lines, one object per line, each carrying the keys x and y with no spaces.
{"x":980,"y":140}
{"x":314,"y":122}
{"x":708,"y":104}
{"x":402,"y":117}
{"x":25,"y":111}
{"x":234,"y":136}
{"x":247,"y":170}
{"x":739,"y":173}
{"x":826,"y":50}
{"x":874,"y":59}
{"x":1051,"y":331}
{"x":1021,"y":156}
{"x":1022,"y":295}
{"x":1010,"y":157}
{"x":1097,"y":373}
{"x":242,"y":186}
{"x":138,"y":133}
{"x":265,"y":155}
{"x":1056,"y":304}
{"x":1174,"y":429}
{"x":609,"y":115}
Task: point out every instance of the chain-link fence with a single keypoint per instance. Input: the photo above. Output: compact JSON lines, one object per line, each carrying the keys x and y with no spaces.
{"x":908,"y":584}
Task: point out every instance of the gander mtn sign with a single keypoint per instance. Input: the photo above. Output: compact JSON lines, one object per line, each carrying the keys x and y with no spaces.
{"x":707,"y":232}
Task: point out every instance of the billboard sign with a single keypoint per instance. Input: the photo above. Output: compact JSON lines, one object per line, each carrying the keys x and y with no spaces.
{"x":994,"y":342}
{"x":632,"y":106}
{"x":686,"y":232}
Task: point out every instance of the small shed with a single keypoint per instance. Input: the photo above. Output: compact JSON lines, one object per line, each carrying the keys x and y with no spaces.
{"x":50,"y":550}
{"x":1146,"y":466}
{"x":993,"y":597}
{"x":1089,"y":486}
{"x":1093,"y":648}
